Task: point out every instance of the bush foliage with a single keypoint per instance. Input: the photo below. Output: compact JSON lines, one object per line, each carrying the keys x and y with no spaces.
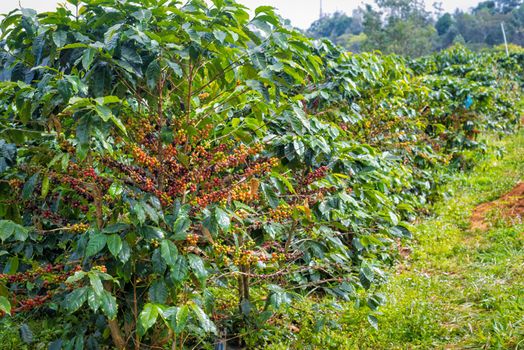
{"x":174,"y":174}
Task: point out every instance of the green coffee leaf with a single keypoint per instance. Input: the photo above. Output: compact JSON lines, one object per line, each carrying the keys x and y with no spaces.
{"x":96,"y":243}
{"x":169,"y":252}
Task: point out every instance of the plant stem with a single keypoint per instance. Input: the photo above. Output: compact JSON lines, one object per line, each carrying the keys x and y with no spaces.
{"x":116,"y":332}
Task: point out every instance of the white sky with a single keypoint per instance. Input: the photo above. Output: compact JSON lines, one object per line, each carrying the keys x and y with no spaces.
{"x":301,"y":12}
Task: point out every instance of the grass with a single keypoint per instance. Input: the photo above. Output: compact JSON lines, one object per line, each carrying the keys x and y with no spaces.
{"x":458,"y":289}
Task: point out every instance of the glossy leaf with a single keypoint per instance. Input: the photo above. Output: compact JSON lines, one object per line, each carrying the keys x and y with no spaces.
{"x":169,"y":252}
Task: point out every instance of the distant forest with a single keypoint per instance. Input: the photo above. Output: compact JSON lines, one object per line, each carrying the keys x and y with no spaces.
{"x":407,"y":27}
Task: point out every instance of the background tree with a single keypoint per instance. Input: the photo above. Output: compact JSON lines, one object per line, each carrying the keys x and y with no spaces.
{"x":406,"y":27}
{"x":332,"y":26}
{"x":444,"y":23}
{"x":339,"y":28}
{"x":399,"y":26}
{"x":481,"y":28}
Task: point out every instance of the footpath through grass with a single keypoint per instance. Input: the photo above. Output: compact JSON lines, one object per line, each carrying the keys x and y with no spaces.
{"x":458,"y":289}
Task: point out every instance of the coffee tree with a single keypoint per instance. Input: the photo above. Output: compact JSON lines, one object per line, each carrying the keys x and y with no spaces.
{"x":173,"y":174}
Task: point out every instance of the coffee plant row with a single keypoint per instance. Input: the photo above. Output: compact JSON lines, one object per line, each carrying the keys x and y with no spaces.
{"x":174,"y":174}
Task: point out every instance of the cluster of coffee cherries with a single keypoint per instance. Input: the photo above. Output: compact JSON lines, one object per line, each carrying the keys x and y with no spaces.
{"x":224,"y":252}
{"x":241,"y":214}
{"x":192,"y":239}
{"x":87,"y":175}
{"x":80,"y":180}
{"x":248,"y":257}
{"x":205,"y":131}
{"x":204,"y":200}
{"x":52,"y":273}
{"x":203,"y":95}
{"x":223,"y":249}
{"x":237,"y":157}
{"x":148,"y":185}
{"x":49,"y":274}
{"x":77,"y":228}
{"x":141,"y":128}
{"x":262,"y":167}
{"x":144,"y":159}
{"x":202,"y":173}
{"x":278,"y":252}
{"x":170,"y":153}
{"x":16,"y":183}
{"x":251,"y":257}
{"x":180,"y":137}
{"x":32,"y":303}
{"x":280,"y":213}
{"x":49,"y":215}
{"x":243,"y":256}
{"x":101,"y":268}
{"x":137,"y":175}
{"x":278,"y":257}
{"x":67,"y":147}
{"x":245,"y":192}
{"x":76,"y":184}
{"x":315,"y":175}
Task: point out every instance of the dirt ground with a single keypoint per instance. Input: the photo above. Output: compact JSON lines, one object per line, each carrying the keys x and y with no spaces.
{"x":509,"y":207}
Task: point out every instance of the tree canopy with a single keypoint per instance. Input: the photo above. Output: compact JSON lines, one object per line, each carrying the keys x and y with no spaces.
{"x":406,"y":27}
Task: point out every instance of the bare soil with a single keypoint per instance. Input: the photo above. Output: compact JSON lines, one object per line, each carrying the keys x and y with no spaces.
{"x":509,"y":207}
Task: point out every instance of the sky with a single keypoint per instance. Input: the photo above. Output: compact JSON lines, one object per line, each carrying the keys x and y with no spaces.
{"x":301,"y":12}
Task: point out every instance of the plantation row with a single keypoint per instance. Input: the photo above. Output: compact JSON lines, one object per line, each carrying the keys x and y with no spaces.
{"x":175,"y":174}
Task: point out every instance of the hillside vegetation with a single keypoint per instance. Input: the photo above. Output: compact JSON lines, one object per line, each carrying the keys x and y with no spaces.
{"x":408,"y":27}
